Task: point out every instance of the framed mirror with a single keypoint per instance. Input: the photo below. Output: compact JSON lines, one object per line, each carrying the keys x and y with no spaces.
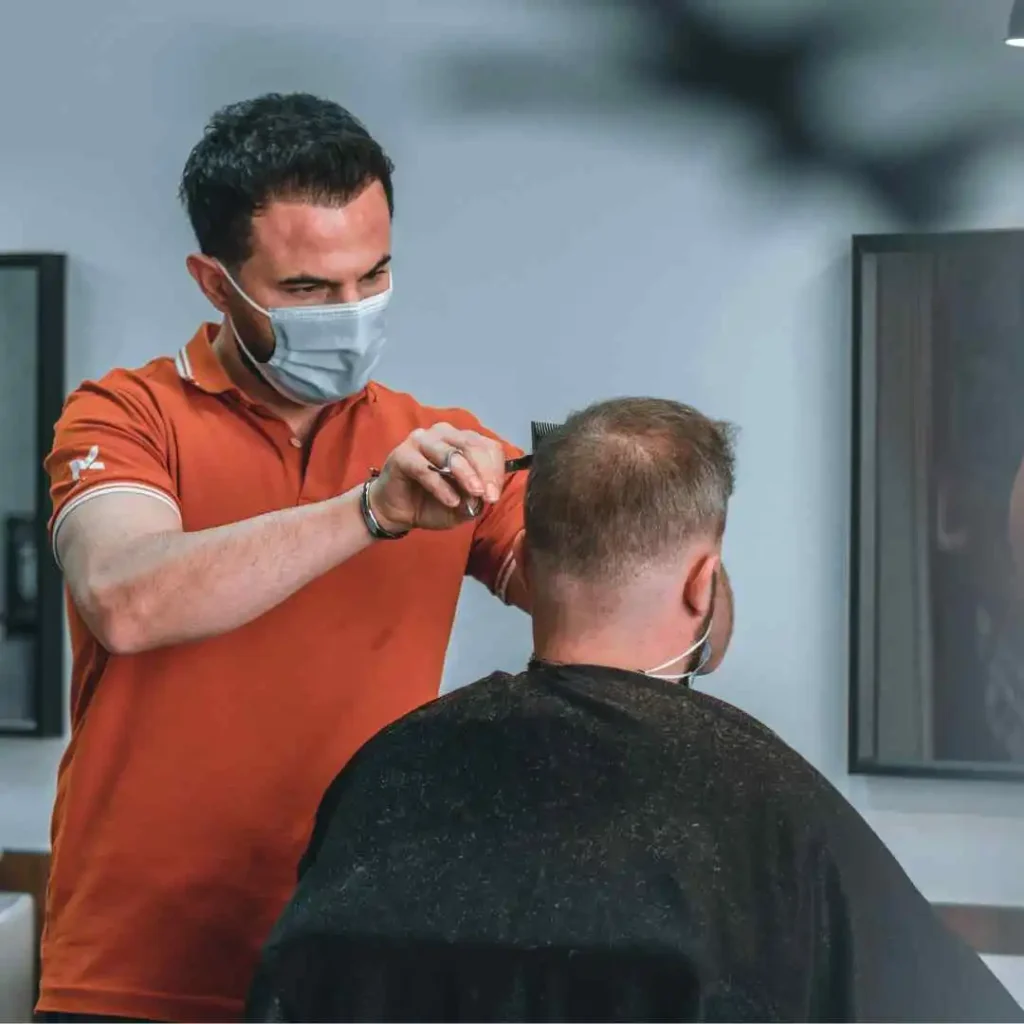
{"x":937,"y":561}
{"x":32,"y":303}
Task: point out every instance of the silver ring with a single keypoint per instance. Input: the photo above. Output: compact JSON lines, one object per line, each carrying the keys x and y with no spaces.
{"x":446,"y":466}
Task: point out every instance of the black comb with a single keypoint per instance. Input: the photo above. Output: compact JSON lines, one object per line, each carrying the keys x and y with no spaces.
{"x":538,"y":431}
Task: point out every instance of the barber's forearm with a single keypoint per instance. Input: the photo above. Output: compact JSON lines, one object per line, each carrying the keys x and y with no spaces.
{"x":721,"y":625}
{"x":180,"y":587}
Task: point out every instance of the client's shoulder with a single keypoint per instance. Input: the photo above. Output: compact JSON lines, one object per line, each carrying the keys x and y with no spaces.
{"x":489,"y":699}
{"x":733,"y":719}
{"x":406,"y":756}
{"x":492,"y":697}
{"x":753,"y":751}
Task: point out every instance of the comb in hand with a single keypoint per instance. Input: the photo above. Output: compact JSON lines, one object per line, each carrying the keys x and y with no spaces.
{"x":539,"y":430}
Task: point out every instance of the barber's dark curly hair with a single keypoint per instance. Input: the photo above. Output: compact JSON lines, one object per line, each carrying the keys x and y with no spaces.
{"x":275,"y":146}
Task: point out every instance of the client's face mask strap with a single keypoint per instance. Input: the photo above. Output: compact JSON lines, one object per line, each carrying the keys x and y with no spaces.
{"x":702,"y":646}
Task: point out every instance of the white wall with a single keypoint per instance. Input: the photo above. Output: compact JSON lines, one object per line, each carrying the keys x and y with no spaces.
{"x":543,"y":258}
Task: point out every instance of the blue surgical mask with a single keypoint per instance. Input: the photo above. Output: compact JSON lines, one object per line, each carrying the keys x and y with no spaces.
{"x":322,"y":354}
{"x":703,"y":646}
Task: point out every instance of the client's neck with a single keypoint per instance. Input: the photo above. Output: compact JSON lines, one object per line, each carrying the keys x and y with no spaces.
{"x":618,"y":630}
{"x":612,"y":652}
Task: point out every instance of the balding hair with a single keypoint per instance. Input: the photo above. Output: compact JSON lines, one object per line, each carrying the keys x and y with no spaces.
{"x":625,"y":483}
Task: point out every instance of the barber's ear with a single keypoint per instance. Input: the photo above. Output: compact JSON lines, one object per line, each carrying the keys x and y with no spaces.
{"x":207,"y":273}
{"x":699,"y":591}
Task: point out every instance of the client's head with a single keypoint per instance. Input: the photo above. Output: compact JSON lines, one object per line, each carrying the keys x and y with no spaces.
{"x":625,"y":512}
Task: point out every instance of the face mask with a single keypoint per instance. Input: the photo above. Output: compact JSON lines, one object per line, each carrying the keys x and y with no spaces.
{"x":703,"y":645}
{"x":322,"y":354}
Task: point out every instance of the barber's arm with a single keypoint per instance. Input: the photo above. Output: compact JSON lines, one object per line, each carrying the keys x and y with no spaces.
{"x":140,"y":581}
{"x":496,"y":558}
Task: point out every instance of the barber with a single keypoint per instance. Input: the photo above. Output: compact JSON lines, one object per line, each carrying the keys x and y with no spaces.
{"x":263,"y":565}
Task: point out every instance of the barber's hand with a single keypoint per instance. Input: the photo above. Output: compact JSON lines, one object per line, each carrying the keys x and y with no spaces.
{"x":410,"y":493}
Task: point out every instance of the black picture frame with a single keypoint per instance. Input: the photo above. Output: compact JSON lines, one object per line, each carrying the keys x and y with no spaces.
{"x":48,"y":703}
{"x":862,"y":734}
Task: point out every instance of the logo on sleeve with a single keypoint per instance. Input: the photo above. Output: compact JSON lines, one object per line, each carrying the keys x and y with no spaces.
{"x":91,"y":461}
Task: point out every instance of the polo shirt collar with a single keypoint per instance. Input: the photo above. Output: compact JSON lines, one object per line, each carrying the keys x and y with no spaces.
{"x":198,"y":364}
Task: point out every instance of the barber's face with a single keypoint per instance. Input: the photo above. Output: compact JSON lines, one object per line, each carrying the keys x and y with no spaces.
{"x":303,"y":255}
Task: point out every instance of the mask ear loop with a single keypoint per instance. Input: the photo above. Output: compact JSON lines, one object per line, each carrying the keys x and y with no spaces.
{"x":231,"y":320}
{"x":252,"y":362}
{"x":241,"y":291}
{"x":705,"y":651}
{"x":701,"y":645}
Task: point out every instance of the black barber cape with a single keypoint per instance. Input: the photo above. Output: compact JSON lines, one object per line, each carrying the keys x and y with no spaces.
{"x":579,"y":843}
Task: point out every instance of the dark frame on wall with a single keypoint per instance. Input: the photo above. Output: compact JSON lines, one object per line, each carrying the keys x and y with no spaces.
{"x":863,"y":718}
{"x":48,"y":648}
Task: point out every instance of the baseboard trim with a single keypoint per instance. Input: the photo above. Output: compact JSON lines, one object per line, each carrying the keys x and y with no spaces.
{"x":990,"y":929}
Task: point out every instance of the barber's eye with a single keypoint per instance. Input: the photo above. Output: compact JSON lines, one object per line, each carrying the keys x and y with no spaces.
{"x":306,"y":291}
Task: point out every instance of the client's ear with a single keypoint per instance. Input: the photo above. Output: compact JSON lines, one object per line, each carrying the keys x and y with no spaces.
{"x":699,"y":589}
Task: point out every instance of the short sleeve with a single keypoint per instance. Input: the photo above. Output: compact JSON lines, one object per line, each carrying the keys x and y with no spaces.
{"x":492,"y":557}
{"x":109,"y":438}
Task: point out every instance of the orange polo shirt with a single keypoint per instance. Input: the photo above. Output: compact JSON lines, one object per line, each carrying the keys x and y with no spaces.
{"x":188,"y":789}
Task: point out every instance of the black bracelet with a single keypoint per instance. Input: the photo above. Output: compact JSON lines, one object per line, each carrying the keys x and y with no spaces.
{"x":377,"y":532}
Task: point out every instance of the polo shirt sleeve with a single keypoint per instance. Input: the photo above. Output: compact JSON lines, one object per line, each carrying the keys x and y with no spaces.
{"x":492,"y":557}
{"x":110,"y":438}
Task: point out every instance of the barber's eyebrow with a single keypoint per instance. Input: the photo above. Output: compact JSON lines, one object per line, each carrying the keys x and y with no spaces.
{"x":307,"y":281}
{"x":378,"y":266}
{"x":312,"y":281}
